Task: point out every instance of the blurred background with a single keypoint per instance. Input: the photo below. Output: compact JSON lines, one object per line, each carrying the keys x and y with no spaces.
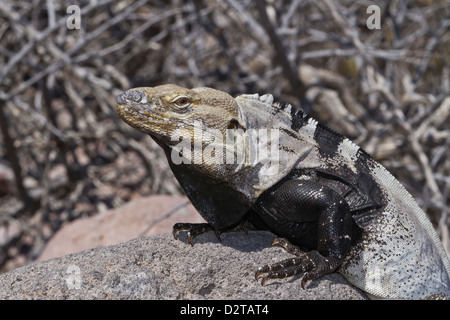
{"x":380,"y":75}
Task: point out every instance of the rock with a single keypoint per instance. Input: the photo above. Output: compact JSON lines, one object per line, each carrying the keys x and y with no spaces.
{"x":120,"y":225}
{"x":160,"y":267}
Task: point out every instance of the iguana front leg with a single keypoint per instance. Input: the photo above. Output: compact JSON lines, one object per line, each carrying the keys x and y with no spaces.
{"x":310,"y":214}
{"x":194,"y":229}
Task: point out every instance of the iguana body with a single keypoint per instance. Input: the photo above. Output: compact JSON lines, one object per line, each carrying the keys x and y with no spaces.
{"x":333,"y":206}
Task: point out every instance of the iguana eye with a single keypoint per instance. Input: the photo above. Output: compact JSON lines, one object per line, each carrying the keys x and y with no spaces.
{"x":182,"y":102}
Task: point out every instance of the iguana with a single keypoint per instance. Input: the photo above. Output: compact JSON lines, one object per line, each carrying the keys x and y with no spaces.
{"x":252,"y":160}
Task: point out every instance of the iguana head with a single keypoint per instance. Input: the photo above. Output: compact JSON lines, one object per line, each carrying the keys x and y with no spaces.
{"x":169,"y":111}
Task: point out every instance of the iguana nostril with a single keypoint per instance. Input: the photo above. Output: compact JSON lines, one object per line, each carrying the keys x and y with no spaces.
{"x":122,"y":98}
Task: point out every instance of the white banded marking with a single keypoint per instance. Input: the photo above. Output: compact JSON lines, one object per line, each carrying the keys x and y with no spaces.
{"x":309,"y":128}
{"x":348,"y":150}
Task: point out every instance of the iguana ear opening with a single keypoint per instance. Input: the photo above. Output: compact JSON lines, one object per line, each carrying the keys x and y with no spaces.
{"x":233,"y":124}
{"x":238,"y":122}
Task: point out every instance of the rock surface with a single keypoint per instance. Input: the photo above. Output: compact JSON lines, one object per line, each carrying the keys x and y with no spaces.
{"x":160,"y":267}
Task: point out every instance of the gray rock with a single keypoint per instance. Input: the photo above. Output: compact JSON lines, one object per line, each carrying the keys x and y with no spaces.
{"x":159,"y":267}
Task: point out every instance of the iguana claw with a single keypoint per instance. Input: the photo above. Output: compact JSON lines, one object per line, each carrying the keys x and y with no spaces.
{"x":194,"y":229}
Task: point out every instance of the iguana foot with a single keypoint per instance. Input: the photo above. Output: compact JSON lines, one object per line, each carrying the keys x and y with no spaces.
{"x":194,"y":229}
{"x":311,"y":264}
